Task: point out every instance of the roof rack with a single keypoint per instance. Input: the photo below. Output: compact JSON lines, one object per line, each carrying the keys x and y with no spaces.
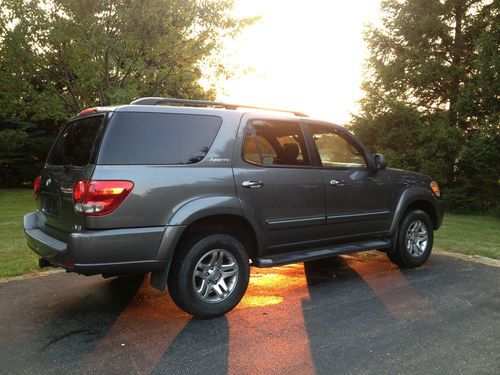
{"x":206,"y":103}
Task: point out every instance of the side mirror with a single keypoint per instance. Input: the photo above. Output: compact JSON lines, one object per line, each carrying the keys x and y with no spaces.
{"x":380,"y":161}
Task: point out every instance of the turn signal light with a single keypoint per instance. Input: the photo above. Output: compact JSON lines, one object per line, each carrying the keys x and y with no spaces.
{"x":97,"y":197}
{"x":435,"y":188}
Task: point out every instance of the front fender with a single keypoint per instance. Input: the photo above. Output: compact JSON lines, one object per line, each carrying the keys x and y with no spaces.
{"x":412,"y":195}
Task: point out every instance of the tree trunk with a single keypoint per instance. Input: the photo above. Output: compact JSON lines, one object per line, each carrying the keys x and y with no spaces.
{"x":457,"y":53}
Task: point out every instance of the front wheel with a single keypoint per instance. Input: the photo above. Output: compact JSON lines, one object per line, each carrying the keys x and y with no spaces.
{"x":209,"y":275}
{"x":414,"y":241}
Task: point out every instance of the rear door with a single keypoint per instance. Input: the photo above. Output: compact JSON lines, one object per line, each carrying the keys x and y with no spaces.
{"x":71,"y":158}
{"x":279,"y":189}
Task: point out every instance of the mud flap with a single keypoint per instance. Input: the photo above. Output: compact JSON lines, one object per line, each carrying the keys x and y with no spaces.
{"x":393,"y":240}
{"x":158,"y":279}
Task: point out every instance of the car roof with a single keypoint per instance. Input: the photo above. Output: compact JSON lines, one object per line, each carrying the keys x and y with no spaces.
{"x":226,"y":111}
{"x":220,"y":112}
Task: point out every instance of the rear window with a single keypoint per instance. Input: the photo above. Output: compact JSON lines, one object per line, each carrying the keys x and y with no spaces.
{"x":77,"y":142}
{"x":158,"y":138}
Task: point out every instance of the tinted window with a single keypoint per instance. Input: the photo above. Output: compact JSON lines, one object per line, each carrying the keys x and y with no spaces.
{"x":335,"y":151}
{"x":158,"y":138}
{"x":274,"y":143}
{"x":76,"y":143}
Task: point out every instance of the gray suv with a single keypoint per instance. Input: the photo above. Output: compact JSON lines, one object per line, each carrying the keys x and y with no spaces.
{"x":197,"y":191}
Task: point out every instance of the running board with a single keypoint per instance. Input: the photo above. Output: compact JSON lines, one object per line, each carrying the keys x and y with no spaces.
{"x":318,"y":253}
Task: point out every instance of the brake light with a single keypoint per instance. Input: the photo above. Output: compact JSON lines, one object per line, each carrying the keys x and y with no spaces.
{"x":97,"y":197}
{"x":36,"y":187}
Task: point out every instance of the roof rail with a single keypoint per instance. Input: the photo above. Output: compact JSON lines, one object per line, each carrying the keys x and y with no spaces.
{"x":206,"y":103}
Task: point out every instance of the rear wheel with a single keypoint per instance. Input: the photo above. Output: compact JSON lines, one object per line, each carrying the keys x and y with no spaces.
{"x":209,"y":275}
{"x":414,"y":240}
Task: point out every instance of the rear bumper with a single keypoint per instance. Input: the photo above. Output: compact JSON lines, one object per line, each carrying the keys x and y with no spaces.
{"x":109,"y":252}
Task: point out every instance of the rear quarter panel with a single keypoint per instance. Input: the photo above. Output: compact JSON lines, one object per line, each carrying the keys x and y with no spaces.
{"x":161,"y":190}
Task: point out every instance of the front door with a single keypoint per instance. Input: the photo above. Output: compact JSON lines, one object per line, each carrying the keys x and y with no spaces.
{"x":357,"y":197}
{"x":280,"y":191}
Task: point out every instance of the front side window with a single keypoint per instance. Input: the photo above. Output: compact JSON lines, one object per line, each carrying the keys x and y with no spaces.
{"x":335,"y":150}
{"x":274,"y":143}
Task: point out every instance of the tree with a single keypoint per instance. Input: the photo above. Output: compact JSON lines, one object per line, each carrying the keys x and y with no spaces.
{"x":432,"y":89}
{"x":61,"y":56}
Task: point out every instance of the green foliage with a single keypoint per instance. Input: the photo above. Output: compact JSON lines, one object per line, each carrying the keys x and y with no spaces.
{"x":59,"y":57}
{"x":16,"y":258}
{"x":432,"y":100}
{"x":23,"y":146}
{"x":469,"y":234}
{"x":478,"y":173}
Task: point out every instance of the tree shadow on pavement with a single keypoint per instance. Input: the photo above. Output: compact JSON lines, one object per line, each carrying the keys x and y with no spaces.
{"x":202,"y":347}
{"x":62,"y":344}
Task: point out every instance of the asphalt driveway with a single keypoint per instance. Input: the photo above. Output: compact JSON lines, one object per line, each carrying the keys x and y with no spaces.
{"x":351,"y":314}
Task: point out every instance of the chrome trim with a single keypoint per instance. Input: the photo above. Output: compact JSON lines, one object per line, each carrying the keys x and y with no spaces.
{"x":346,"y":218}
{"x":337,"y":183}
{"x":294,"y":223}
{"x":252,"y":184}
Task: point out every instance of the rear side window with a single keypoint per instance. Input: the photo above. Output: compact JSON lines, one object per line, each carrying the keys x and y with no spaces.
{"x":274,"y":143}
{"x":76,"y":144}
{"x":158,"y":138}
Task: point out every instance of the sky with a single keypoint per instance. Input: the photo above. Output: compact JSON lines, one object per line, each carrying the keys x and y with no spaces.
{"x":305,"y":55}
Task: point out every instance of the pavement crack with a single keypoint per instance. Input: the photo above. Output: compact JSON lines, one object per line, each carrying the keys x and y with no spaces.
{"x":67,"y":334}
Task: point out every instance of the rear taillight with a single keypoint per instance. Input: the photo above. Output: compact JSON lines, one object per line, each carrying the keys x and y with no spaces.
{"x":96,"y":197}
{"x":36,"y":187}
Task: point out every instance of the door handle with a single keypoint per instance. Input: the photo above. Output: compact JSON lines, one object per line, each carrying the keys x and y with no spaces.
{"x":337,"y":183}
{"x":252,"y":184}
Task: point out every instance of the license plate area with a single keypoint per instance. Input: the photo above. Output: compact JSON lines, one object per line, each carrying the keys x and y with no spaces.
{"x":50,"y":205}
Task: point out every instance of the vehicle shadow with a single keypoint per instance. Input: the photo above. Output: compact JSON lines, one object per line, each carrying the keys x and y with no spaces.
{"x":202,"y":347}
{"x":284,"y":324}
{"x":355,"y":299}
{"x":63,"y":343}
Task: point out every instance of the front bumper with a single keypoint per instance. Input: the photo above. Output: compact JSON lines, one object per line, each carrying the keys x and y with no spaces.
{"x":439,"y":204}
{"x":90,"y":252}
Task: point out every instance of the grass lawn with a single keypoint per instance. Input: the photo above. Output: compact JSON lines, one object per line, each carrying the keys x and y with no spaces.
{"x":466,"y":234}
{"x":15,"y":256}
{"x":469,"y":234}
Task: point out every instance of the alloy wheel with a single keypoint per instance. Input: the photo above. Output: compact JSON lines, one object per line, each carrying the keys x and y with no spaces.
{"x":215,"y":276}
{"x":417,"y":237}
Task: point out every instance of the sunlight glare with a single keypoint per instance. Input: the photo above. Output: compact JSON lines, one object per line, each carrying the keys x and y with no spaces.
{"x":306,"y":56}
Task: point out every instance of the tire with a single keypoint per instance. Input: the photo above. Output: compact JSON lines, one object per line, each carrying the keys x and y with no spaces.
{"x":414,"y":240}
{"x":209,"y":275}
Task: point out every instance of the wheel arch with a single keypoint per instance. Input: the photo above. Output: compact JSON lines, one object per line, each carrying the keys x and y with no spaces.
{"x":231,"y":224}
{"x":413,"y":199}
{"x":427,"y":207}
{"x":222,"y":214}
